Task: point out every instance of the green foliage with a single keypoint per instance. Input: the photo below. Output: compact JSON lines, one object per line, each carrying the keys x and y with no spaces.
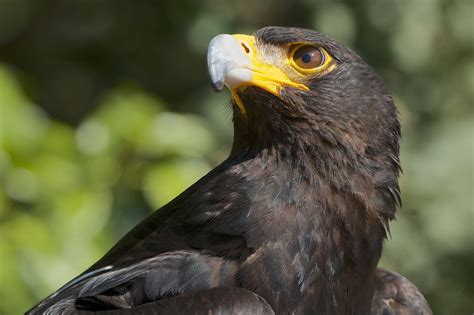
{"x":84,"y":158}
{"x":59,"y":183}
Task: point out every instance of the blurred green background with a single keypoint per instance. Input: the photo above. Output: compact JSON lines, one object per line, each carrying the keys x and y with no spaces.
{"x":106,"y":114}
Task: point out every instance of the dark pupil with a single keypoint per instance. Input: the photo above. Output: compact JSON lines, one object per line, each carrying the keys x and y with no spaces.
{"x":306,"y":58}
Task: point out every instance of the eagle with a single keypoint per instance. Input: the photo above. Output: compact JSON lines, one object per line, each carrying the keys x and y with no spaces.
{"x":294,"y":220}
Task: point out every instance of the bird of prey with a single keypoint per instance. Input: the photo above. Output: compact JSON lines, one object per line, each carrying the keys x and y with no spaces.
{"x":294,"y":220}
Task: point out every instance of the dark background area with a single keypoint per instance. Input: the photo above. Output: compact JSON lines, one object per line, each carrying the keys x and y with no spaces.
{"x":106,"y":114}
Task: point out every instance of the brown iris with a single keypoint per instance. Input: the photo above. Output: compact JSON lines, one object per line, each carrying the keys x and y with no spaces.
{"x":308,"y":57}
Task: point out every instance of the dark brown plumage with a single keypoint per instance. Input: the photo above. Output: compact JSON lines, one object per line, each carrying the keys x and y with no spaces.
{"x":293,"y":221}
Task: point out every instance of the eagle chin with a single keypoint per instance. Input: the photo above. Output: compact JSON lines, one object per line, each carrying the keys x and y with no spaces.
{"x":294,"y":220}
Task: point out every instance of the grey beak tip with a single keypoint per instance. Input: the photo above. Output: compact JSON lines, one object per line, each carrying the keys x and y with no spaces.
{"x":217,"y":86}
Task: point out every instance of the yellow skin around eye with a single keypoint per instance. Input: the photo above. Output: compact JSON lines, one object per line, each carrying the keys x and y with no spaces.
{"x":327,"y":64}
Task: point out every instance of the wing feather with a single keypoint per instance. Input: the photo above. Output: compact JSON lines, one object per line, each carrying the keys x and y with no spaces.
{"x":395,"y":295}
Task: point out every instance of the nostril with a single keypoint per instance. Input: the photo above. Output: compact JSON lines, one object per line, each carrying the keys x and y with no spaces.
{"x":247,"y":50}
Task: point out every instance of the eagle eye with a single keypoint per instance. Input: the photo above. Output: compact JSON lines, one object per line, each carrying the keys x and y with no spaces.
{"x":307,"y":58}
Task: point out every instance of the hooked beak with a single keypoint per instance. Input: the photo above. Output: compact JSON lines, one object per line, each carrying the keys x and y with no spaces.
{"x":233,"y":61}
